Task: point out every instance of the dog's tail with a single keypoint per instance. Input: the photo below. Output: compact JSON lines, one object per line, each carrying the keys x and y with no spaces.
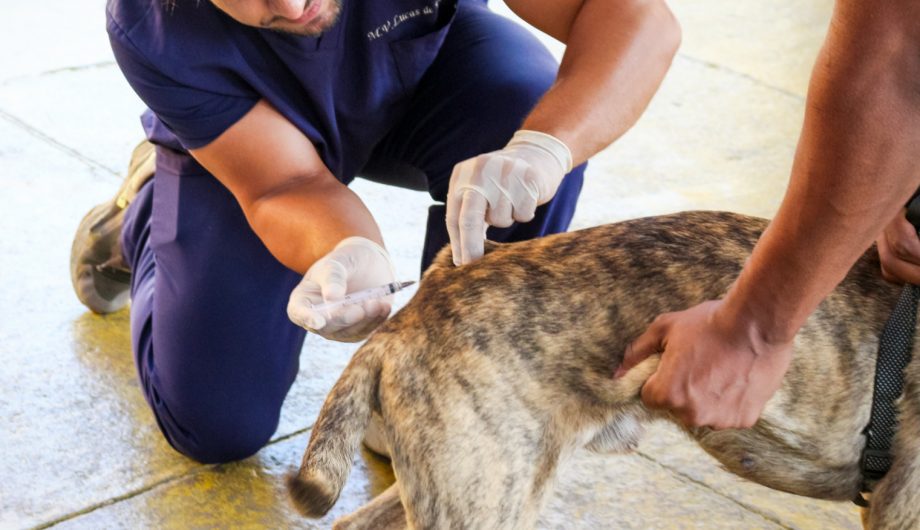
{"x":336,"y":436}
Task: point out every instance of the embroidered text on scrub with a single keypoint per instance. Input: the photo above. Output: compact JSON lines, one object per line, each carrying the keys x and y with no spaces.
{"x":383,"y":29}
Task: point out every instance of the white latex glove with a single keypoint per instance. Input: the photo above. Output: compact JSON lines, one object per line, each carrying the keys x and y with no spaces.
{"x":356,"y":263}
{"x":501,"y":187}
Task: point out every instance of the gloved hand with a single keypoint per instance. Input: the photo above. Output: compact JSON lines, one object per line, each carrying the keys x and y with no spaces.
{"x":501,"y":187}
{"x":356,"y":263}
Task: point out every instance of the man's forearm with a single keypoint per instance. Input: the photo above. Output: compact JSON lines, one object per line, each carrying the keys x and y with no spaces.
{"x":617,"y":53}
{"x":855,"y":165}
{"x":303,"y":222}
{"x":290,"y":198}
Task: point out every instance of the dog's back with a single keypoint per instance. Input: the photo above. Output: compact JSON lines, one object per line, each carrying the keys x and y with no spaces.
{"x":495,"y":371}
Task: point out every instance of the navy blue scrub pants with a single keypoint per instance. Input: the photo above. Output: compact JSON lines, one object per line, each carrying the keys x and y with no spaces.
{"x":215,"y":351}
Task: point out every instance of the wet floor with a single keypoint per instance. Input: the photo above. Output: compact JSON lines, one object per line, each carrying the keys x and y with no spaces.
{"x":80,"y":449}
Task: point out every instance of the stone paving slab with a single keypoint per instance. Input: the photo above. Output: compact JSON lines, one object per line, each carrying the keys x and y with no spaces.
{"x":710,"y":139}
{"x":246,"y":494}
{"x":670,"y":448}
{"x":92,"y":111}
{"x":53,"y":35}
{"x":626,"y":492}
{"x":772,"y":41}
{"x":593,"y":492}
{"x":75,"y":430}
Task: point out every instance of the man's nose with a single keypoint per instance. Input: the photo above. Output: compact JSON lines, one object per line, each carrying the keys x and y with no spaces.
{"x":291,"y":9}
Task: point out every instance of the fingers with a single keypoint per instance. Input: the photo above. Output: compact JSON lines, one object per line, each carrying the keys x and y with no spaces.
{"x":355,"y":322}
{"x":649,"y":343}
{"x":663,"y":391}
{"x":654,"y":396}
{"x":466,"y":213}
{"x":453,"y":210}
{"x":735,"y":406}
{"x":467,"y":204}
{"x":899,"y":252}
{"x":472,"y":226}
{"x":300,"y":305}
{"x":489,"y":190}
{"x":332,"y":278}
{"x":523,"y":192}
{"x":658,"y":394}
{"x":895,"y":269}
{"x":500,"y":203}
{"x":350,"y":315}
{"x":510,"y":191}
{"x":903,"y":240}
{"x":710,"y":374}
{"x":328,"y":281}
{"x":744,"y":418}
{"x":346,"y":323}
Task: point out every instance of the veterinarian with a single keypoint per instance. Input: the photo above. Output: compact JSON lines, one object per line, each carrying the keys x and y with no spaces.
{"x":856,"y":165}
{"x":263,"y":111}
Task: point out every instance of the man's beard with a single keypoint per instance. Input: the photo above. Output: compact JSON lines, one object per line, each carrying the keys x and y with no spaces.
{"x":319,"y":25}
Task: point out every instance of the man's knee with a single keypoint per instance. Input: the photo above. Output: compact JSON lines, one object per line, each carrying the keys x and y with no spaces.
{"x":222,"y":434}
{"x":228,"y":442}
{"x":517,"y":93}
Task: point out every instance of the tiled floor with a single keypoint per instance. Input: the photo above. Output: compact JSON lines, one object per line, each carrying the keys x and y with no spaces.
{"x":81,"y":450}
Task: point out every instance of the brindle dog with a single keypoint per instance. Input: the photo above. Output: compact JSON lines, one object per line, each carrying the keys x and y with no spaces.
{"x":495,"y":372}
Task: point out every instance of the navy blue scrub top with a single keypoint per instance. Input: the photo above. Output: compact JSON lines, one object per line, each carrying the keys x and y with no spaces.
{"x":200,"y":71}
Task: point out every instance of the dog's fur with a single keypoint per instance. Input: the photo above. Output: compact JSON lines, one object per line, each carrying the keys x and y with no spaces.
{"x":495,"y":372}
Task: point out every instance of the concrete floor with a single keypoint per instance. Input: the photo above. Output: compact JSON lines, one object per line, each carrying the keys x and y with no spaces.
{"x":80,"y":448}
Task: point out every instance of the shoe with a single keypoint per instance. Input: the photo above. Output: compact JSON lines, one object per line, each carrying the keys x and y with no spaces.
{"x":101,"y":278}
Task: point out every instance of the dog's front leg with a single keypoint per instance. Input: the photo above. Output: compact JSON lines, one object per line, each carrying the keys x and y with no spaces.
{"x":893,"y":505}
{"x":384,"y":512}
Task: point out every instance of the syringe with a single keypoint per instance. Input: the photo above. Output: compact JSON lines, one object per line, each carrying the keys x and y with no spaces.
{"x":360,"y":296}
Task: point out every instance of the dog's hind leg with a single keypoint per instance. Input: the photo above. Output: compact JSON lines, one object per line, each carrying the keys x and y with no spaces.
{"x":487,"y":487}
{"x":468,"y":451}
{"x":383,"y":512}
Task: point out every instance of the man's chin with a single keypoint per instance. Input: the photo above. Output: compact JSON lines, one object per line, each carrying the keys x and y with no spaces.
{"x":316,"y":27}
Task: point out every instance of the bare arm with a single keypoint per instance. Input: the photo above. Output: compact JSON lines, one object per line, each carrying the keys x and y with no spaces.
{"x":856,"y":165}
{"x":617,"y":53}
{"x":854,"y":168}
{"x":292,"y":201}
{"x":616,"y":56}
